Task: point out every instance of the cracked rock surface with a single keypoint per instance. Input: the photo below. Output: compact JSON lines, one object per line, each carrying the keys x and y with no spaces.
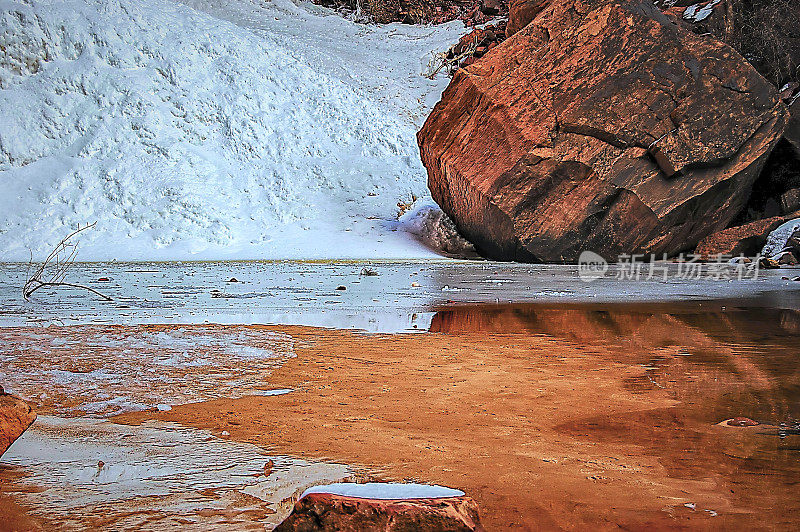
{"x":601,"y":125}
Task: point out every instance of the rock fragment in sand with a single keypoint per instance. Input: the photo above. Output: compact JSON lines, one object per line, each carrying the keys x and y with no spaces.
{"x":15,"y":417}
{"x":385,"y":507}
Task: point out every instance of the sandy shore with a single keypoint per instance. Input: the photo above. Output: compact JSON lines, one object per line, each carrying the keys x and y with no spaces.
{"x":545,"y":430}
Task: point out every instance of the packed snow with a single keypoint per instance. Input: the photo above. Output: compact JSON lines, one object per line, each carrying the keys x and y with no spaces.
{"x":211,"y":129}
{"x":777,"y":239}
{"x":386,"y":491}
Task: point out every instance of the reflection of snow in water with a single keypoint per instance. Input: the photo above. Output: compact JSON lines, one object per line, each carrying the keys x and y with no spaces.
{"x":156,"y":475}
{"x":108,"y":371}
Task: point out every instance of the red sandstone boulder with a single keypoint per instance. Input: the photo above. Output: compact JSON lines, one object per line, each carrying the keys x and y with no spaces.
{"x":345,"y":513}
{"x":15,"y":417}
{"x":602,"y":125}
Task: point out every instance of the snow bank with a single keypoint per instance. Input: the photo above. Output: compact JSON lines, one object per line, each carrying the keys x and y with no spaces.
{"x":209,"y":129}
{"x":776,"y":240}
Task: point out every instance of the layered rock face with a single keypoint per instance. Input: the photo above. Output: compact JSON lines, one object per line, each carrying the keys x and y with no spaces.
{"x":601,"y":125}
{"x":15,"y":417}
{"x":329,"y":512}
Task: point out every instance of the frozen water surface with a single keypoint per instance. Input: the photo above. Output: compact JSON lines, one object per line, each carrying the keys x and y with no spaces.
{"x":104,"y":371}
{"x":402,"y":297}
{"x":90,"y":472}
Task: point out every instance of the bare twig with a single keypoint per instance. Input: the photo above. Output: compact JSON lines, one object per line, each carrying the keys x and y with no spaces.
{"x":440,"y":60}
{"x":53,"y":271}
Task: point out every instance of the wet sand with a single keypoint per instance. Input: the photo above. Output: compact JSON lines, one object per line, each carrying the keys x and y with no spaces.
{"x":549,"y":418}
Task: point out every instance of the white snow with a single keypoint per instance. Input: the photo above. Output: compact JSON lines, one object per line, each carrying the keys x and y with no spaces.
{"x":776,"y":240}
{"x":210,"y":129}
{"x":701,"y":11}
{"x":390,"y":491}
{"x":436,"y":230}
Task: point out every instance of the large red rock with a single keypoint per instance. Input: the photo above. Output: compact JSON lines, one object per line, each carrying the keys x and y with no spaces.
{"x":15,"y":417}
{"x":337,"y":513}
{"x":602,"y":125}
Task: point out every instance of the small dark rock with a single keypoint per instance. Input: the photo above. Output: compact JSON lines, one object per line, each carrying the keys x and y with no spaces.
{"x":785,"y":258}
{"x":341,"y":287}
{"x":768,"y":264}
{"x":491,"y":7}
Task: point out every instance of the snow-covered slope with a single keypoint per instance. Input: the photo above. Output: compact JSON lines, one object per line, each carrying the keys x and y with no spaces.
{"x":209,"y":129}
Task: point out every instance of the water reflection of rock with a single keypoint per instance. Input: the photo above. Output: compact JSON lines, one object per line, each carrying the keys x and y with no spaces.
{"x":715,"y":363}
{"x":728,"y":360}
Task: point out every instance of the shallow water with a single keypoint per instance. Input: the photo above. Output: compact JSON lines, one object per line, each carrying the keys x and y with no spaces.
{"x":717,"y":349}
{"x":101,"y":371}
{"x":715,"y":360}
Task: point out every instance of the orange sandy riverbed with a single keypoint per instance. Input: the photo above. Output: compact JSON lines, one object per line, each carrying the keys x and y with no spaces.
{"x":563,"y":426}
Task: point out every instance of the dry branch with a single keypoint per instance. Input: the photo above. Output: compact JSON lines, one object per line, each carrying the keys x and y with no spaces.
{"x":53,"y":271}
{"x":440,"y":60}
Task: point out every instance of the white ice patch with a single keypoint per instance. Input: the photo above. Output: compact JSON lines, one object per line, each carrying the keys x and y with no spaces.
{"x":390,"y":491}
{"x":114,"y":371}
{"x":209,"y":129}
{"x":776,"y":240}
{"x":146,"y":477}
{"x":701,"y":11}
